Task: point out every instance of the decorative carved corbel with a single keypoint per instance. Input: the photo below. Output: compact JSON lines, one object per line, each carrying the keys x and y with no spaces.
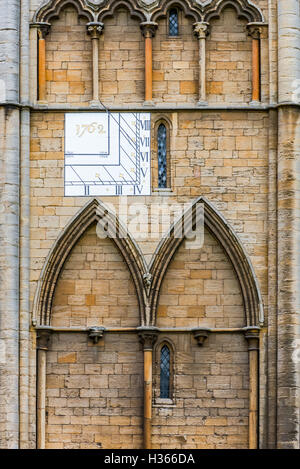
{"x":43,"y":339}
{"x":43,"y":29}
{"x":148,"y":29}
{"x":147,"y":280}
{"x":148,"y":336}
{"x":95,"y":29}
{"x":200,"y":335}
{"x":96,"y":333}
{"x":201,"y":29}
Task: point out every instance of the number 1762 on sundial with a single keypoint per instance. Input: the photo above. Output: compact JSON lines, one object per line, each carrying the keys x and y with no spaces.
{"x":107,"y":153}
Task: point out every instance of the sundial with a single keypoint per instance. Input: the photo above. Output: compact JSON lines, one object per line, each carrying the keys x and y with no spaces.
{"x":107,"y":153}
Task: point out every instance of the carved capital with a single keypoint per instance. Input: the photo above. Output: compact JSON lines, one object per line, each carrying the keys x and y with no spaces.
{"x":252,"y":337}
{"x":148,"y":336}
{"x":96,"y":333}
{"x":200,"y":335}
{"x":148,"y":29}
{"x":254,"y":30}
{"x":201,"y":30}
{"x":43,"y":29}
{"x":43,"y":339}
{"x":95,"y":29}
{"x":147,"y":279}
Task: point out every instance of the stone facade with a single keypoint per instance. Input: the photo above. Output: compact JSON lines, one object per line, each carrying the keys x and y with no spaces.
{"x":220,"y":308}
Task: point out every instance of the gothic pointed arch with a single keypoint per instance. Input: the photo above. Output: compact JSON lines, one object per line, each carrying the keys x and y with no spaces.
{"x":244,"y":8}
{"x":110,"y":9}
{"x":233,"y":247}
{"x":51,"y":9}
{"x":189,"y":8}
{"x":93,"y":212}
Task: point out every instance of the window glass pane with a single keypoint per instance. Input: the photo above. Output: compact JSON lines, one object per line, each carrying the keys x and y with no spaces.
{"x":162,"y":156}
{"x":165,"y":372}
{"x":173,"y":22}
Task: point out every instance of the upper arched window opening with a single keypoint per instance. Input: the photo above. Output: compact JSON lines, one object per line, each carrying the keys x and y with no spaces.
{"x":173,"y":22}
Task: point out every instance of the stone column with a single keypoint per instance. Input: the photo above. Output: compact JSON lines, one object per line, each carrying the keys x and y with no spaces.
{"x":148,"y":337}
{"x":24,"y":326}
{"x":42,"y":347}
{"x":252,"y":337}
{"x":148,"y":29}
{"x":288,"y":206}
{"x":43,"y":30}
{"x":95,"y":30}
{"x":201,"y":30}
{"x":9,"y":222}
{"x":255,"y":32}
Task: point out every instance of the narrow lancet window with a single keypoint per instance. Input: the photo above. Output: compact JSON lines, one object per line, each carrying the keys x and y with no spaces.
{"x":165,"y":372}
{"x":162,"y":156}
{"x":173,"y":22}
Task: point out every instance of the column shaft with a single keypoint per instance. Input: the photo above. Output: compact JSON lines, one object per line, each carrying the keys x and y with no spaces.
{"x":147,"y":398}
{"x":95,"y":31}
{"x":255,"y":70}
{"x":42,"y":347}
{"x":252,"y":336}
{"x":201,"y":30}
{"x":148,"y":336}
{"x":148,"y":31}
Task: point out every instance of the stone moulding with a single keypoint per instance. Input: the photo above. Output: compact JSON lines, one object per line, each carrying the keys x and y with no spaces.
{"x":52,"y":9}
{"x":147,"y":279}
{"x":148,"y":10}
{"x":222,"y":231}
{"x":91,"y":213}
{"x":134,"y":10}
{"x":189,"y":8}
{"x":244,"y":9}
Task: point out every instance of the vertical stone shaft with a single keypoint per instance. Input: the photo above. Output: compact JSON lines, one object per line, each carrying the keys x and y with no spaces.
{"x":255,"y":70}
{"x":24,"y":227}
{"x":42,"y":67}
{"x":148,"y":338}
{"x":255,"y":32}
{"x":201,"y":30}
{"x":42,"y":347}
{"x":148,"y":68}
{"x":288,"y":225}
{"x":9,"y":224}
{"x":43,"y":30}
{"x":95,"y":30}
{"x":252,"y":336}
{"x":148,"y":31}
{"x":147,"y":397}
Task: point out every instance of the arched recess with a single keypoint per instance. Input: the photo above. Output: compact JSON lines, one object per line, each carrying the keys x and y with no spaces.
{"x":161,"y":119}
{"x":93,"y":211}
{"x":222,"y":231}
{"x":134,"y":10}
{"x":51,"y":10}
{"x":244,"y":8}
{"x":189,"y":8}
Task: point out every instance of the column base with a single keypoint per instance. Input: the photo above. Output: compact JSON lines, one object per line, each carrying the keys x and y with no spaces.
{"x":42,"y":103}
{"x":255,"y":103}
{"x":202,"y":103}
{"x":96,"y":104}
{"x":148,"y":104}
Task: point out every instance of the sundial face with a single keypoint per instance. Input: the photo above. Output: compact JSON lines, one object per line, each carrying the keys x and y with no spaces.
{"x":107,"y":154}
